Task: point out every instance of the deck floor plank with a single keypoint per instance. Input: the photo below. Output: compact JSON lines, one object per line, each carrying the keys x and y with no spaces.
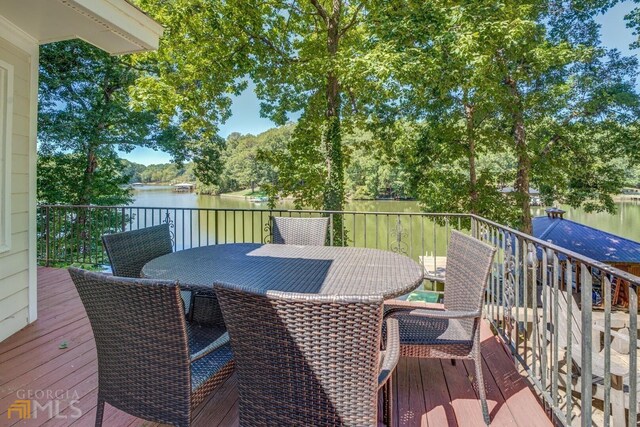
{"x":426,"y":392}
{"x":436,"y":394}
{"x":512,"y":386}
{"x":464,"y":401}
{"x":406,"y":417}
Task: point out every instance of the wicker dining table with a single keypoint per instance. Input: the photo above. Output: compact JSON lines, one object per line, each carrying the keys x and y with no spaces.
{"x":326,"y":270}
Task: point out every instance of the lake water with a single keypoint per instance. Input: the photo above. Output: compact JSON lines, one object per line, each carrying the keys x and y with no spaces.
{"x":164,"y":196}
{"x":625,"y":222}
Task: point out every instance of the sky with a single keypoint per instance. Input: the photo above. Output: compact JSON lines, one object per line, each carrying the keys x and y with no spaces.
{"x":245,"y":117}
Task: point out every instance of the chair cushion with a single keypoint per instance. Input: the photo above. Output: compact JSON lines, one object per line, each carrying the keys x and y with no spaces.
{"x":212,"y":364}
{"x":427,"y":331}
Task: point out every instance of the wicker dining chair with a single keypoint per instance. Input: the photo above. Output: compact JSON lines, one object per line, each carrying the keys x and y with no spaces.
{"x":299,"y":231}
{"x":151,"y":363}
{"x":452,"y":333}
{"x":129,"y":251}
{"x":305,"y":359}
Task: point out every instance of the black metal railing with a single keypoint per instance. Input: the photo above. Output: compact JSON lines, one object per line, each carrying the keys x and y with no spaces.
{"x":582,"y":359}
{"x":71,"y":234}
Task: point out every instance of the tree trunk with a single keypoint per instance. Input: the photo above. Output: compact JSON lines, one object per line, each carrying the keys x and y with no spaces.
{"x":334,"y":184}
{"x":471,"y":143}
{"x":86,"y":197}
{"x":523,"y":198}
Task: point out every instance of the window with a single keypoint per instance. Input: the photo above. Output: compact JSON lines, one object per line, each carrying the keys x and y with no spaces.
{"x":6,"y":113}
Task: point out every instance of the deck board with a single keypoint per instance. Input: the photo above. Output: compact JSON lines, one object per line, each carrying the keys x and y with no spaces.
{"x":427,"y":392}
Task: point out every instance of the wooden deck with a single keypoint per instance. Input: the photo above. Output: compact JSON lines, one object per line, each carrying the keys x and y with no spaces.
{"x":429,"y":392}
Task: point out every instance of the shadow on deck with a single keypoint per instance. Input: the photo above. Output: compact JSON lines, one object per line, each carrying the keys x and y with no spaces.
{"x":428,"y":392}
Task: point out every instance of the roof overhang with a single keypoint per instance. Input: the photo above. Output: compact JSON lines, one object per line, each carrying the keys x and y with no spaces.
{"x":115,"y":26}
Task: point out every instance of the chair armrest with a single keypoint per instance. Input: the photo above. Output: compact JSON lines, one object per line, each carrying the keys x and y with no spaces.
{"x":435,"y":314}
{"x":430,"y":276}
{"x":392,"y":352}
{"x":222,"y":340}
{"x":404,"y":304}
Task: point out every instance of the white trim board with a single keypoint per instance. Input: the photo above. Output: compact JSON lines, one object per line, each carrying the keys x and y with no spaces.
{"x":6,"y":133}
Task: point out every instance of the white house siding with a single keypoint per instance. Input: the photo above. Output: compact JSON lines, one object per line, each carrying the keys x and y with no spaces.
{"x":18,"y":264}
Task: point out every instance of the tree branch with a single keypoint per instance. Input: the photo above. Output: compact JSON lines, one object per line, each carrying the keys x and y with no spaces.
{"x":353,"y":20}
{"x":321,"y":11}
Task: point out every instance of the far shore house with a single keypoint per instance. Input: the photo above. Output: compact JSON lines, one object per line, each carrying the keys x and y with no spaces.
{"x":599,"y":245}
{"x":184,"y":187}
{"x":115,"y":26}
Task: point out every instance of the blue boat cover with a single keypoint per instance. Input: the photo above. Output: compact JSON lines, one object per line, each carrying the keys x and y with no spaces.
{"x":588,"y":241}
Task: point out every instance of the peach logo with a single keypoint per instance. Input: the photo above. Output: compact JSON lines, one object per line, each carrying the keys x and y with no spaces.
{"x":58,"y":404}
{"x":21,"y":408}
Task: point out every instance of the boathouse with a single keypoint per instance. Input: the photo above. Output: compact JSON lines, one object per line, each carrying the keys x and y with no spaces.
{"x":591,"y":242}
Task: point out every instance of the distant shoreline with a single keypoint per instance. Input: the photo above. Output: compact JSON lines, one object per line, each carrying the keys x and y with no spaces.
{"x":246,"y":195}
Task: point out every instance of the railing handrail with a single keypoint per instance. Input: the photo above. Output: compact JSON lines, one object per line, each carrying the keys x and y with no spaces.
{"x":457,"y":215}
{"x":635,"y":280}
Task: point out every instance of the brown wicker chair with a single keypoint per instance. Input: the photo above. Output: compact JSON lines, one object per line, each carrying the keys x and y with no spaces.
{"x":151,"y":363}
{"x":129,"y":251}
{"x":299,"y":231}
{"x":452,"y":333}
{"x":305,"y":359}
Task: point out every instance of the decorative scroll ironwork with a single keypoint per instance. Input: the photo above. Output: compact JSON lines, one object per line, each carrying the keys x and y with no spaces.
{"x":509,"y":282}
{"x":168,"y":220}
{"x":268,"y":232}
{"x":399,"y":245}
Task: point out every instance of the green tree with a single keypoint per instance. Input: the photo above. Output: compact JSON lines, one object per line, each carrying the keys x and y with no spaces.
{"x":528,"y":80}
{"x":84,"y":117}
{"x":200,"y":63}
{"x":301,"y":49}
{"x":132,"y":170}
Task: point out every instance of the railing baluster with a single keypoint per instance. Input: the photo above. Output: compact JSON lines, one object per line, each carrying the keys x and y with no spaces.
{"x":215,"y":227}
{"x":587,"y":345}
{"x":516,"y":266}
{"x":606,"y":284}
{"x":331,"y":229}
{"x":364,"y":220}
{"x":554,"y":344}
{"x":569,"y":338}
{"x":411,"y":236}
{"x":633,"y":353}
{"x":544,"y":273}
{"x":532,"y":255}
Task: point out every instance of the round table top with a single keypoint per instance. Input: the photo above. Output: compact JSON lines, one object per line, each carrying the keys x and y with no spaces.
{"x":290,"y":268}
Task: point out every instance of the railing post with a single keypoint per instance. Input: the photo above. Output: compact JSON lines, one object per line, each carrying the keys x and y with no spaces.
{"x":473,"y":228}
{"x":47,"y":237}
{"x":124,"y":222}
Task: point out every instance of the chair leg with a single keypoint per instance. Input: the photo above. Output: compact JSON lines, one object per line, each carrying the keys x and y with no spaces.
{"x":481,"y":390}
{"x":192,"y":304}
{"x":99,"y":412}
{"x":387,"y":396}
{"x":453,"y":362}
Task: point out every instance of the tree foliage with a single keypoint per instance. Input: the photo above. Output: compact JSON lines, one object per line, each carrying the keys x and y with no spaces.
{"x":84,"y":116}
{"x":445,"y":100}
{"x":526,"y":79}
{"x":189,"y":80}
